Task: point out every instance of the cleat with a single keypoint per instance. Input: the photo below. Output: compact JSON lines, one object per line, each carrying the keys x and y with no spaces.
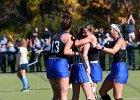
{"x":24,"y":90}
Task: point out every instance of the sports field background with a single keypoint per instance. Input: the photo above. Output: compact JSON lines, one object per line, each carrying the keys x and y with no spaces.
{"x":40,"y":88}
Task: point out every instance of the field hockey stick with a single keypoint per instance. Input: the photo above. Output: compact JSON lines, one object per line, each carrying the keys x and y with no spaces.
{"x":91,"y":83}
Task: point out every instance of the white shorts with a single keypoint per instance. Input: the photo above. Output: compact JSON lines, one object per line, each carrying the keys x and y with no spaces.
{"x":132,"y":35}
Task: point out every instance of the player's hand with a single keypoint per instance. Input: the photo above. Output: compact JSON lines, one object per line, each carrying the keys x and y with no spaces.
{"x":98,"y":46}
{"x":73,"y":38}
{"x":88,"y":70}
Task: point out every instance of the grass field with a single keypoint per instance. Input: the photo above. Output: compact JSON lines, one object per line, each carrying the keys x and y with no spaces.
{"x":40,"y":88}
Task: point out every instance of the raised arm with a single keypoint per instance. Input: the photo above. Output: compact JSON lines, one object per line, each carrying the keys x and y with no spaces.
{"x":82,"y":41}
{"x":131,"y":18}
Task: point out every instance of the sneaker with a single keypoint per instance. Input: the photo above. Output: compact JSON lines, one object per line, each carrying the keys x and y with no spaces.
{"x":24,"y":90}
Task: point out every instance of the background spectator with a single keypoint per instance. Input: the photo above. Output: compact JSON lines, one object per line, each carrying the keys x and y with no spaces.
{"x":131,"y":27}
{"x":138,"y":46}
{"x":11,"y":51}
{"x":130,"y":53}
{"x":107,"y":40}
{"x":138,"y":42}
{"x":3,"y":57}
{"x":99,"y":33}
{"x":3,"y":40}
{"x":124,"y":27}
{"x":35,"y":44}
{"x":46,"y":44}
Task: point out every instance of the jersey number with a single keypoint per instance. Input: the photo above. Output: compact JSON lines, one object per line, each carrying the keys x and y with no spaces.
{"x":55,"y":46}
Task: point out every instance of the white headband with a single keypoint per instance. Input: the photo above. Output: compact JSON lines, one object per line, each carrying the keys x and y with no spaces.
{"x":115,"y":27}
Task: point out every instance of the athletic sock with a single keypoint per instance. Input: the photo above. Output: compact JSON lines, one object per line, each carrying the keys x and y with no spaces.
{"x":106,"y":97}
{"x":25,"y":82}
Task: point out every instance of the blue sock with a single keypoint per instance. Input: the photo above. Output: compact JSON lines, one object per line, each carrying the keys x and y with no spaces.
{"x":25,"y":82}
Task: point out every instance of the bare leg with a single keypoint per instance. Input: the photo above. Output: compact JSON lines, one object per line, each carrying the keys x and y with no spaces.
{"x":23,"y":73}
{"x":106,"y":86}
{"x":55,"y":89}
{"x":22,"y":76}
{"x":88,"y":91}
{"x":19,"y":75}
{"x":117,"y":90}
{"x":76,"y":91}
{"x":95,"y":85}
{"x":64,"y":87}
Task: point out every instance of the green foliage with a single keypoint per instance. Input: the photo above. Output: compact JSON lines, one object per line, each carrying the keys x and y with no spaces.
{"x":53,"y":23}
{"x":21,"y":16}
{"x":33,"y":7}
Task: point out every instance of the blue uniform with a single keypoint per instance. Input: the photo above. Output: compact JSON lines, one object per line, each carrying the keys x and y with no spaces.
{"x":57,"y":64}
{"x":78,"y":72}
{"x":57,"y":68}
{"x":96,"y":71}
{"x":119,"y":71}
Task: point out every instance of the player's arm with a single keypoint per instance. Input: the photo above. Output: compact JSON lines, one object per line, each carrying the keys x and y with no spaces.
{"x":113,"y":50}
{"x":68,"y":45}
{"x":82,"y":41}
{"x":85,"y":56}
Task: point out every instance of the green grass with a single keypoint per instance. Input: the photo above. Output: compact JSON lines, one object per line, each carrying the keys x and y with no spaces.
{"x":40,"y":88}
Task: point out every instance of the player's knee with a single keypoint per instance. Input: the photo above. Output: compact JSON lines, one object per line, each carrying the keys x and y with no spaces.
{"x":106,"y":97}
{"x":101,"y":92}
{"x":64,"y":90}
